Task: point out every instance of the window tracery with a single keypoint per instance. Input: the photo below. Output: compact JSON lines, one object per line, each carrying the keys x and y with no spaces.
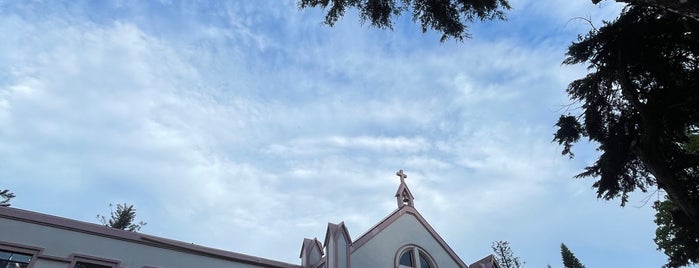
{"x":412,"y":256}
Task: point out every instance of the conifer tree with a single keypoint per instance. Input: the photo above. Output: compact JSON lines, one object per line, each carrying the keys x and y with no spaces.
{"x":678,"y":241}
{"x":504,"y":255}
{"x":448,"y":17}
{"x":569,"y":259}
{"x":6,"y":195}
{"x":122,"y":218}
{"x":638,"y":103}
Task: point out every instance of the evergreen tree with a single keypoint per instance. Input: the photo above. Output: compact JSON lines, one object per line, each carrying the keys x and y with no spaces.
{"x":449,"y":17}
{"x":122,"y":218}
{"x":569,"y":260}
{"x":678,"y":242}
{"x":640,"y":104}
{"x":6,"y":195}
{"x":689,"y":9}
{"x":504,"y":256}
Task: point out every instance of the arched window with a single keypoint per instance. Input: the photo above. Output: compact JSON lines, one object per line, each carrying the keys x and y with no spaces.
{"x":412,"y":256}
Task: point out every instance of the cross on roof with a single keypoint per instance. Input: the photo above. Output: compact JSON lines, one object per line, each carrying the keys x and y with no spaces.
{"x":403,"y":195}
{"x":402,"y":176}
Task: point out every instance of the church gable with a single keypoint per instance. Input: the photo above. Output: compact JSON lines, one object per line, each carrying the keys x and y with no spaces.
{"x":403,"y":231}
{"x":311,"y":252}
{"x":337,"y":246}
{"x":487,"y":262}
{"x":403,"y":239}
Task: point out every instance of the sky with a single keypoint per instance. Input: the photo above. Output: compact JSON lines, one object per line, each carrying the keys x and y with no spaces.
{"x":231,"y":124}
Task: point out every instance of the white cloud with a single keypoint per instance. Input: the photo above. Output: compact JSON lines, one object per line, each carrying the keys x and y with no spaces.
{"x":334,"y":144}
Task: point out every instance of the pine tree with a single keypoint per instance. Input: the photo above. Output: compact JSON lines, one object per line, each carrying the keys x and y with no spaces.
{"x":638,"y":103}
{"x":504,"y":255}
{"x":569,"y":260}
{"x":122,"y":218}
{"x":6,"y":195}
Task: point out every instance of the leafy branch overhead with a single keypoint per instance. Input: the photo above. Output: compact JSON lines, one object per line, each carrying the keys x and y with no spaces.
{"x":122,"y":218}
{"x":640,"y":103}
{"x":449,"y":17}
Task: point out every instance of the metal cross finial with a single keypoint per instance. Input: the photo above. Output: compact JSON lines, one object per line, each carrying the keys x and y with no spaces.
{"x":402,"y":176}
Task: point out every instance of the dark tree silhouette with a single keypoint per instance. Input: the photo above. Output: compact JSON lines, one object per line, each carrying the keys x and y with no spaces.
{"x":569,"y":259}
{"x":122,"y":218}
{"x":685,"y":8}
{"x":640,"y":103}
{"x":504,"y":256}
{"x":6,"y":196}
{"x":449,"y":17}
{"x":679,"y":243}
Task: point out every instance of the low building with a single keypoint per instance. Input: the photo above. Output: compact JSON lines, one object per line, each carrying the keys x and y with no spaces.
{"x":403,"y":239}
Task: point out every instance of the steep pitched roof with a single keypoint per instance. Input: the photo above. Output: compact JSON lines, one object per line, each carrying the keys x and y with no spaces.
{"x":383,"y":224}
{"x":311,"y":244}
{"x":334,"y":230}
{"x":487,"y":262}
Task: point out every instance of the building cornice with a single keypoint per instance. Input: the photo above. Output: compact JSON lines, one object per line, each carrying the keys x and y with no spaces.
{"x":134,"y":237}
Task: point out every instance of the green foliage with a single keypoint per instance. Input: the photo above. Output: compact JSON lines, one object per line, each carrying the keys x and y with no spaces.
{"x":504,"y":256}
{"x":692,"y":146}
{"x":448,"y":17}
{"x":569,"y":259}
{"x":640,"y":104}
{"x":6,"y":195}
{"x":122,"y":218}
{"x":674,"y":237}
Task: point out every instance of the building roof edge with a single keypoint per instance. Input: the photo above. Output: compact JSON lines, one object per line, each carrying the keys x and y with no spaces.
{"x":134,"y":237}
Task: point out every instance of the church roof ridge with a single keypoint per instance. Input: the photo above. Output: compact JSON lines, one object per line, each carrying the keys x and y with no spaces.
{"x":333,"y":229}
{"x":487,"y":260}
{"x":307,"y":242}
{"x":395,"y":215}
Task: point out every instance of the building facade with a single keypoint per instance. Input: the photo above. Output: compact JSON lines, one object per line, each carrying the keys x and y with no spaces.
{"x":403,"y":239}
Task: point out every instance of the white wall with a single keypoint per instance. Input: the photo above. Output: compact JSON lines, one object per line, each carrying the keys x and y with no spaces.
{"x":381,"y":250}
{"x":62,"y":243}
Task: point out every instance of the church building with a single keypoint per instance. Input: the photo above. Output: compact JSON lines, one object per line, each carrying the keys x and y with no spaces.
{"x":403,"y":239}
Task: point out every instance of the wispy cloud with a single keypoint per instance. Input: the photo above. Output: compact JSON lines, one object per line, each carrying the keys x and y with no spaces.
{"x":228,"y":124}
{"x":324,"y":145}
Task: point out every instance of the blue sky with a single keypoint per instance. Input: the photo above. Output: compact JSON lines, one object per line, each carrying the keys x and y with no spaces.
{"x":229,"y":124}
